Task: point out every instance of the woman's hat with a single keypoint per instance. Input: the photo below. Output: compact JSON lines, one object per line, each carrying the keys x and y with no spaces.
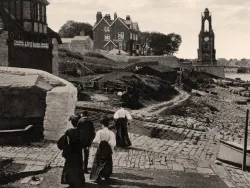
{"x":105,"y":120}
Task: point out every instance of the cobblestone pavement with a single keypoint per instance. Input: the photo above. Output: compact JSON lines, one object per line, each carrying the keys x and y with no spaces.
{"x":32,"y":158}
{"x":176,"y":149}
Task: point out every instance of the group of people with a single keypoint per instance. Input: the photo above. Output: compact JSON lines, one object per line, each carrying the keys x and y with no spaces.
{"x":80,"y":138}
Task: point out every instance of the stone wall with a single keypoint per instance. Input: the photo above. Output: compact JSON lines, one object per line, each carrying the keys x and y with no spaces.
{"x":214,"y":70}
{"x":170,"y":61}
{"x":4,"y":58}
{"x":60,"y":101}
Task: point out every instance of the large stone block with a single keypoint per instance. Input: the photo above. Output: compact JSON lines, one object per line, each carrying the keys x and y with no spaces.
{"x":60,"y":100}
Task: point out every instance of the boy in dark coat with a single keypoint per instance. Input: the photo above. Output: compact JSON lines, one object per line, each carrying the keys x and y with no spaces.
{"x":87,"y":134}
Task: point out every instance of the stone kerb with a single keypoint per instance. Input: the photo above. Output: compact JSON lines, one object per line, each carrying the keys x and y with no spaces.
{"x":60,"y":101}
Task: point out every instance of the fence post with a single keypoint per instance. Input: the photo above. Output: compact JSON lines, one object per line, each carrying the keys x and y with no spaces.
{"x":245,"y":143}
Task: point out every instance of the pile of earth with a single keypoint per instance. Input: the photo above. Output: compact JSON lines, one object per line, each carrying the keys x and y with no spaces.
{"x":195,"y":109}
{"x":71,"y":62}
{"x":197,"y":80}
{"x":148,"y":87}
{"x":138,"y":88}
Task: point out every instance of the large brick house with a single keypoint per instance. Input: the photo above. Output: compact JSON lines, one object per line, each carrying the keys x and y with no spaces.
{"x":118,"y":33}
{"x":26,"y":41}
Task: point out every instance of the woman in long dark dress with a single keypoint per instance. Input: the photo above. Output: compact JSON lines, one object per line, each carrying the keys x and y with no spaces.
{"x":71,"y":145}
{"x":103,"y":165}
{"x":122,"y":138}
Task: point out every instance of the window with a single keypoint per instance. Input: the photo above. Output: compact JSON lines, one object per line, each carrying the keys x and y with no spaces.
{"x":120,"y":35}
{"x":38,"y":12}
{"x":107,"y":37}
{"x":133,"y":47}
{"x":12,"y":7}
{"x":131,"y":36}
{"x":136,"y":37}
{"x":120,"y":46}
{"x":43,"y":17}
{"x":106,"y":29}
{"x":18,"y":9}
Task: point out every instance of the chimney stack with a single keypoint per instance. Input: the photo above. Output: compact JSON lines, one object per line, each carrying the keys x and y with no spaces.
{"x":115,"y":16}
{"x":98,"y":16}
{"x":107,"y":17}
{"x":127,"y":17}
{"x":82,"y":33}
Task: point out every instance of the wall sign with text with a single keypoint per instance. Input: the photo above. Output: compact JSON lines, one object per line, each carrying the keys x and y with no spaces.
{"x":27,"y":44}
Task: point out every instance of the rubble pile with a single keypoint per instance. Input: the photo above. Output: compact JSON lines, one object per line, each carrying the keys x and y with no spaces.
{"x":197,"y":80}
{"x":131,"y":90}
{"x":229,"y":121}
{"x":147,"y":87}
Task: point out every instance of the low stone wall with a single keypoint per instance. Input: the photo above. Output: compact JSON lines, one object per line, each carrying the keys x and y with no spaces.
{"x":214,"y":70}
{"x":170,"y":61}
{"x":60,"y":101}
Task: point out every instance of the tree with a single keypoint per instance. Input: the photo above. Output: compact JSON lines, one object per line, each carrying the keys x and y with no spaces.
{"x":71,"y":29}
{"x":175,"y":42}
{"x":164,"y":44}
{"x":144,"y":39}
{"x":160,"y":43}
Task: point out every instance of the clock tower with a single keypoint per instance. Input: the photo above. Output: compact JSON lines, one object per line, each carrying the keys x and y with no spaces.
{"x":206,"y":51}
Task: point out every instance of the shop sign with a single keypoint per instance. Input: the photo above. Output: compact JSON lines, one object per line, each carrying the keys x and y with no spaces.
{"x":27,"y":44}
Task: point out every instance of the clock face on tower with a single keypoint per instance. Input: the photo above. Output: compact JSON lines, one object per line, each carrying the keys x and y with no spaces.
{"x":206,"y":39}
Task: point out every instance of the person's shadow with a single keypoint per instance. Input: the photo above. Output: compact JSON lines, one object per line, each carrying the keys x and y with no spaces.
{"x":114,"y":183}
{"x":120,"y":179}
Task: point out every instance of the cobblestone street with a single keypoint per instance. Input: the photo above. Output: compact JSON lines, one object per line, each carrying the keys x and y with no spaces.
{"x":176,"y":149}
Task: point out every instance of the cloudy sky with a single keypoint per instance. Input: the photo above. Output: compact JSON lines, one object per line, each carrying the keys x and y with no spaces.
{"x":230,"y":20}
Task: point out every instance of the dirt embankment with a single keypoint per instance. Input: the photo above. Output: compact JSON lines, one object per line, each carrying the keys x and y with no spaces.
{"x":125,"y":89}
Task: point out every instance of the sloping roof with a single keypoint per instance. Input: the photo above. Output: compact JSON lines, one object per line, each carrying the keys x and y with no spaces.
{"x":103,"y":19}
{"x":122,"y":21}
{"x":128,"y":22}
{"x":109,"y":42}
{"x":132,"y":25}
{"x":66,"y":40}
{"x":80,"y":38}
{"x":54,"y":34}
{"x":135,"y":26}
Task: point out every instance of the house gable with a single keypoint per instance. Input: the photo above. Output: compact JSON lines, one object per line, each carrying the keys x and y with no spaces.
{"x":99,"y":34}
{"x":110,"y":46}
{"x":119,"y":26}
{"x":119,"y":19}
{"x":102,"y":20}
{"x":108,"y":43}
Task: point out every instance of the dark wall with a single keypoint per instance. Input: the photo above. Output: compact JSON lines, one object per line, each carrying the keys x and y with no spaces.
{"x":98,"y":35}
{"x":30,"y":58}
{"x":19,"y":108}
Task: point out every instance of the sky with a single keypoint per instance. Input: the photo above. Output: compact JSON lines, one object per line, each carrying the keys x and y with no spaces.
{"x":230,"y":20}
